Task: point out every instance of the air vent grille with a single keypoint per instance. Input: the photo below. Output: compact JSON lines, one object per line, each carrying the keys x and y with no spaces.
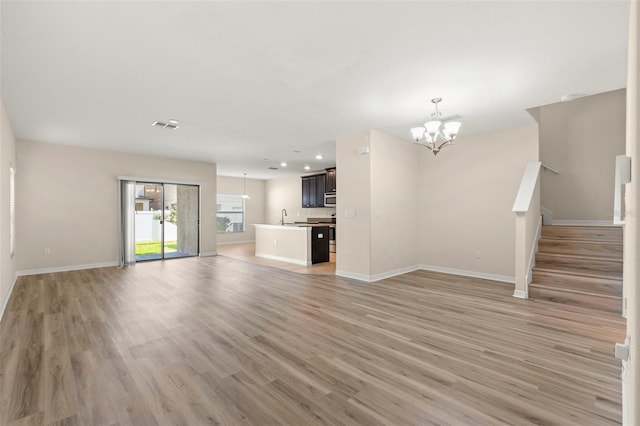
{"x":273,"y":168}
{"x":171,"y":124}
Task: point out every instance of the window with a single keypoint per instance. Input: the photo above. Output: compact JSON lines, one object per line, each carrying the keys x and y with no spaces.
{"x":12,"y":211}
{"x":230,"y":213}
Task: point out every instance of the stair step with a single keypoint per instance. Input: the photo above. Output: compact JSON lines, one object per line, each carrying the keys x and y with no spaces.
{"x":580,"y":265}
{"x":590,"y":284}
{"x":584,"y":299}
{"x":607,"y":249}
{"x":597,"y":233}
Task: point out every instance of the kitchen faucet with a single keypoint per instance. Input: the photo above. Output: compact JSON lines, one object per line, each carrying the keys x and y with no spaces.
{"x":284,"y":213}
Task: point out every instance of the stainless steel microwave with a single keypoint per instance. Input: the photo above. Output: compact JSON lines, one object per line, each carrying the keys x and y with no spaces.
{"x":330,"y":199}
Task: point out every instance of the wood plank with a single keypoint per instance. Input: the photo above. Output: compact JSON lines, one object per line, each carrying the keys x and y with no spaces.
{"x":612,"y":287}
{"x":223,"y":341}
{"x":59,"y":390}
{"x":598,"y":301}
{"x":586,"y":233}
{"x":599,"y":249}
{"x":579,"y":265}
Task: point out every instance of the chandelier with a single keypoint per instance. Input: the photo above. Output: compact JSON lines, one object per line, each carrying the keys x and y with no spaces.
{"x":434,"y":135}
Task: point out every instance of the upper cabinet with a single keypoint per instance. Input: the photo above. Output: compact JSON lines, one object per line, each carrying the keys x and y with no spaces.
{"x":313,"y":191}
{"x":330,"y":184}
{"x":306,"y":194}
{"x":320,"y":183}
{"x":314,"y":188}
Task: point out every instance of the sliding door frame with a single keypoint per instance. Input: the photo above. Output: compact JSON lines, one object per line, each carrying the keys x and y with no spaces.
{"x":162,"y":181}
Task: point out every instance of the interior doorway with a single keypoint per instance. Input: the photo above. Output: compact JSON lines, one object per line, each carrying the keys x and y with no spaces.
{"x":166,"y":223}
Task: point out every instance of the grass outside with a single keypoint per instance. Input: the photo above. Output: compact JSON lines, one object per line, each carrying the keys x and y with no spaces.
{"x":153,"y":247}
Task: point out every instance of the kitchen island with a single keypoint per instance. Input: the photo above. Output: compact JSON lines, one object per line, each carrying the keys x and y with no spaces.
{"x":302,"y":244}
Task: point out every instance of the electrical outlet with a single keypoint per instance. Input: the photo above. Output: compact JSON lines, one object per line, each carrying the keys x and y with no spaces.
{"x":477,"y":254}
{"x":46,"y":251}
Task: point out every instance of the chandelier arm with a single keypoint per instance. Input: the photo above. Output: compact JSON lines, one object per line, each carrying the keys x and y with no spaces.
{"x":443,"y":144}
{"x":429,"y":147}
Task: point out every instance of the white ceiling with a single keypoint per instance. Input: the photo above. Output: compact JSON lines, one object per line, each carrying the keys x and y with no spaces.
{"x":253,"y":82}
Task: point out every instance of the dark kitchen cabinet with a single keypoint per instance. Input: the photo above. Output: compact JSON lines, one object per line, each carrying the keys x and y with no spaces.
{"x":319,"y":244}
{"x":320,"y":184}
{"x":313,"y":188}
{"x":306,"y":199}
{"x":331,"y":182}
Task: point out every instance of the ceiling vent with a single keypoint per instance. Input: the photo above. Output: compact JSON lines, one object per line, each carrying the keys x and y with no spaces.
{"x":170,"y":124}
{"x":273,"y":168}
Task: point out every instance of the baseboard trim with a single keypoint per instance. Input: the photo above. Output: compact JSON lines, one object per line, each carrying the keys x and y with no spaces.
{"x":377,"y":277}
{"x":284,"y":259}
{"x":563,"y":222}
{"x":395,"y":272}
{"x":472,"y":274}
{"x":354,"y":276}
{"x":520,"y":294}
{"x":66,"y":268}
{"x":208,"y":253}
{"x":228,"y":243}
{"x":5,"y":302}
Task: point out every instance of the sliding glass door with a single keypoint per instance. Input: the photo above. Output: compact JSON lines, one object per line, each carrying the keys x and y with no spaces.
{"x":180,"y":220}
{"x":166,"y":220}
{"x":148,"y":224}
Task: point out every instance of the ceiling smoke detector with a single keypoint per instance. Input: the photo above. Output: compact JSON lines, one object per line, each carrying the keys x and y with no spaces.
{"x":169,"y":124}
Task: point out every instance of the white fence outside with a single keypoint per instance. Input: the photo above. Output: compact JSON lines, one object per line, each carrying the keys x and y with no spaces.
{"x":148,"y":229}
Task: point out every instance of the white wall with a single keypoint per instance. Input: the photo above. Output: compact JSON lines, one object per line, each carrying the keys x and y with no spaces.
{"x":395,"y":217}
{"x":286,"y":193}
{"x":353,"y":224}
{"x":466,"y":196}
{"x":7,"y":160}
{"x":581,"y":139}
{"x":67,"y":201}
{"x":254,"y":207}
{"x":410,"y":209}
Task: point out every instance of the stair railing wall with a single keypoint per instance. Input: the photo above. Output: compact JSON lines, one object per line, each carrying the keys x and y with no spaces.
{"x":528,"y":227}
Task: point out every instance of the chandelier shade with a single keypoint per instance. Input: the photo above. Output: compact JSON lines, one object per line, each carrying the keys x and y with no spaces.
{"x":433,"y":130}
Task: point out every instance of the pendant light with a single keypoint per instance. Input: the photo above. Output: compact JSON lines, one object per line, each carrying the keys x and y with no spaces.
{"x":433,"y":130}
{"x":244,"y":188}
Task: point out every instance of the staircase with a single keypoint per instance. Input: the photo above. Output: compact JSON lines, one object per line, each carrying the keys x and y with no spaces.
{"x":579,"y":265}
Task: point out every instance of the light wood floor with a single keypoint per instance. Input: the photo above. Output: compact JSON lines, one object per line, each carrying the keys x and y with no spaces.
{"x":246,"y":252}
{"x":215,"y":340}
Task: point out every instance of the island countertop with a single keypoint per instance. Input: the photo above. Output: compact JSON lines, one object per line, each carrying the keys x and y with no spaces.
{"x":293,"y":225}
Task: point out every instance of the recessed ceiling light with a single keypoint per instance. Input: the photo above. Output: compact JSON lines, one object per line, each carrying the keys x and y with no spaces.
{"x":319,"y":157}
{"x":307,"y":167}
{"x":283,"y":164}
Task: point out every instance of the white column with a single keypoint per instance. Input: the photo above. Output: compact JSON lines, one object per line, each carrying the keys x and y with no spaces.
{"x":631,"y":403}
